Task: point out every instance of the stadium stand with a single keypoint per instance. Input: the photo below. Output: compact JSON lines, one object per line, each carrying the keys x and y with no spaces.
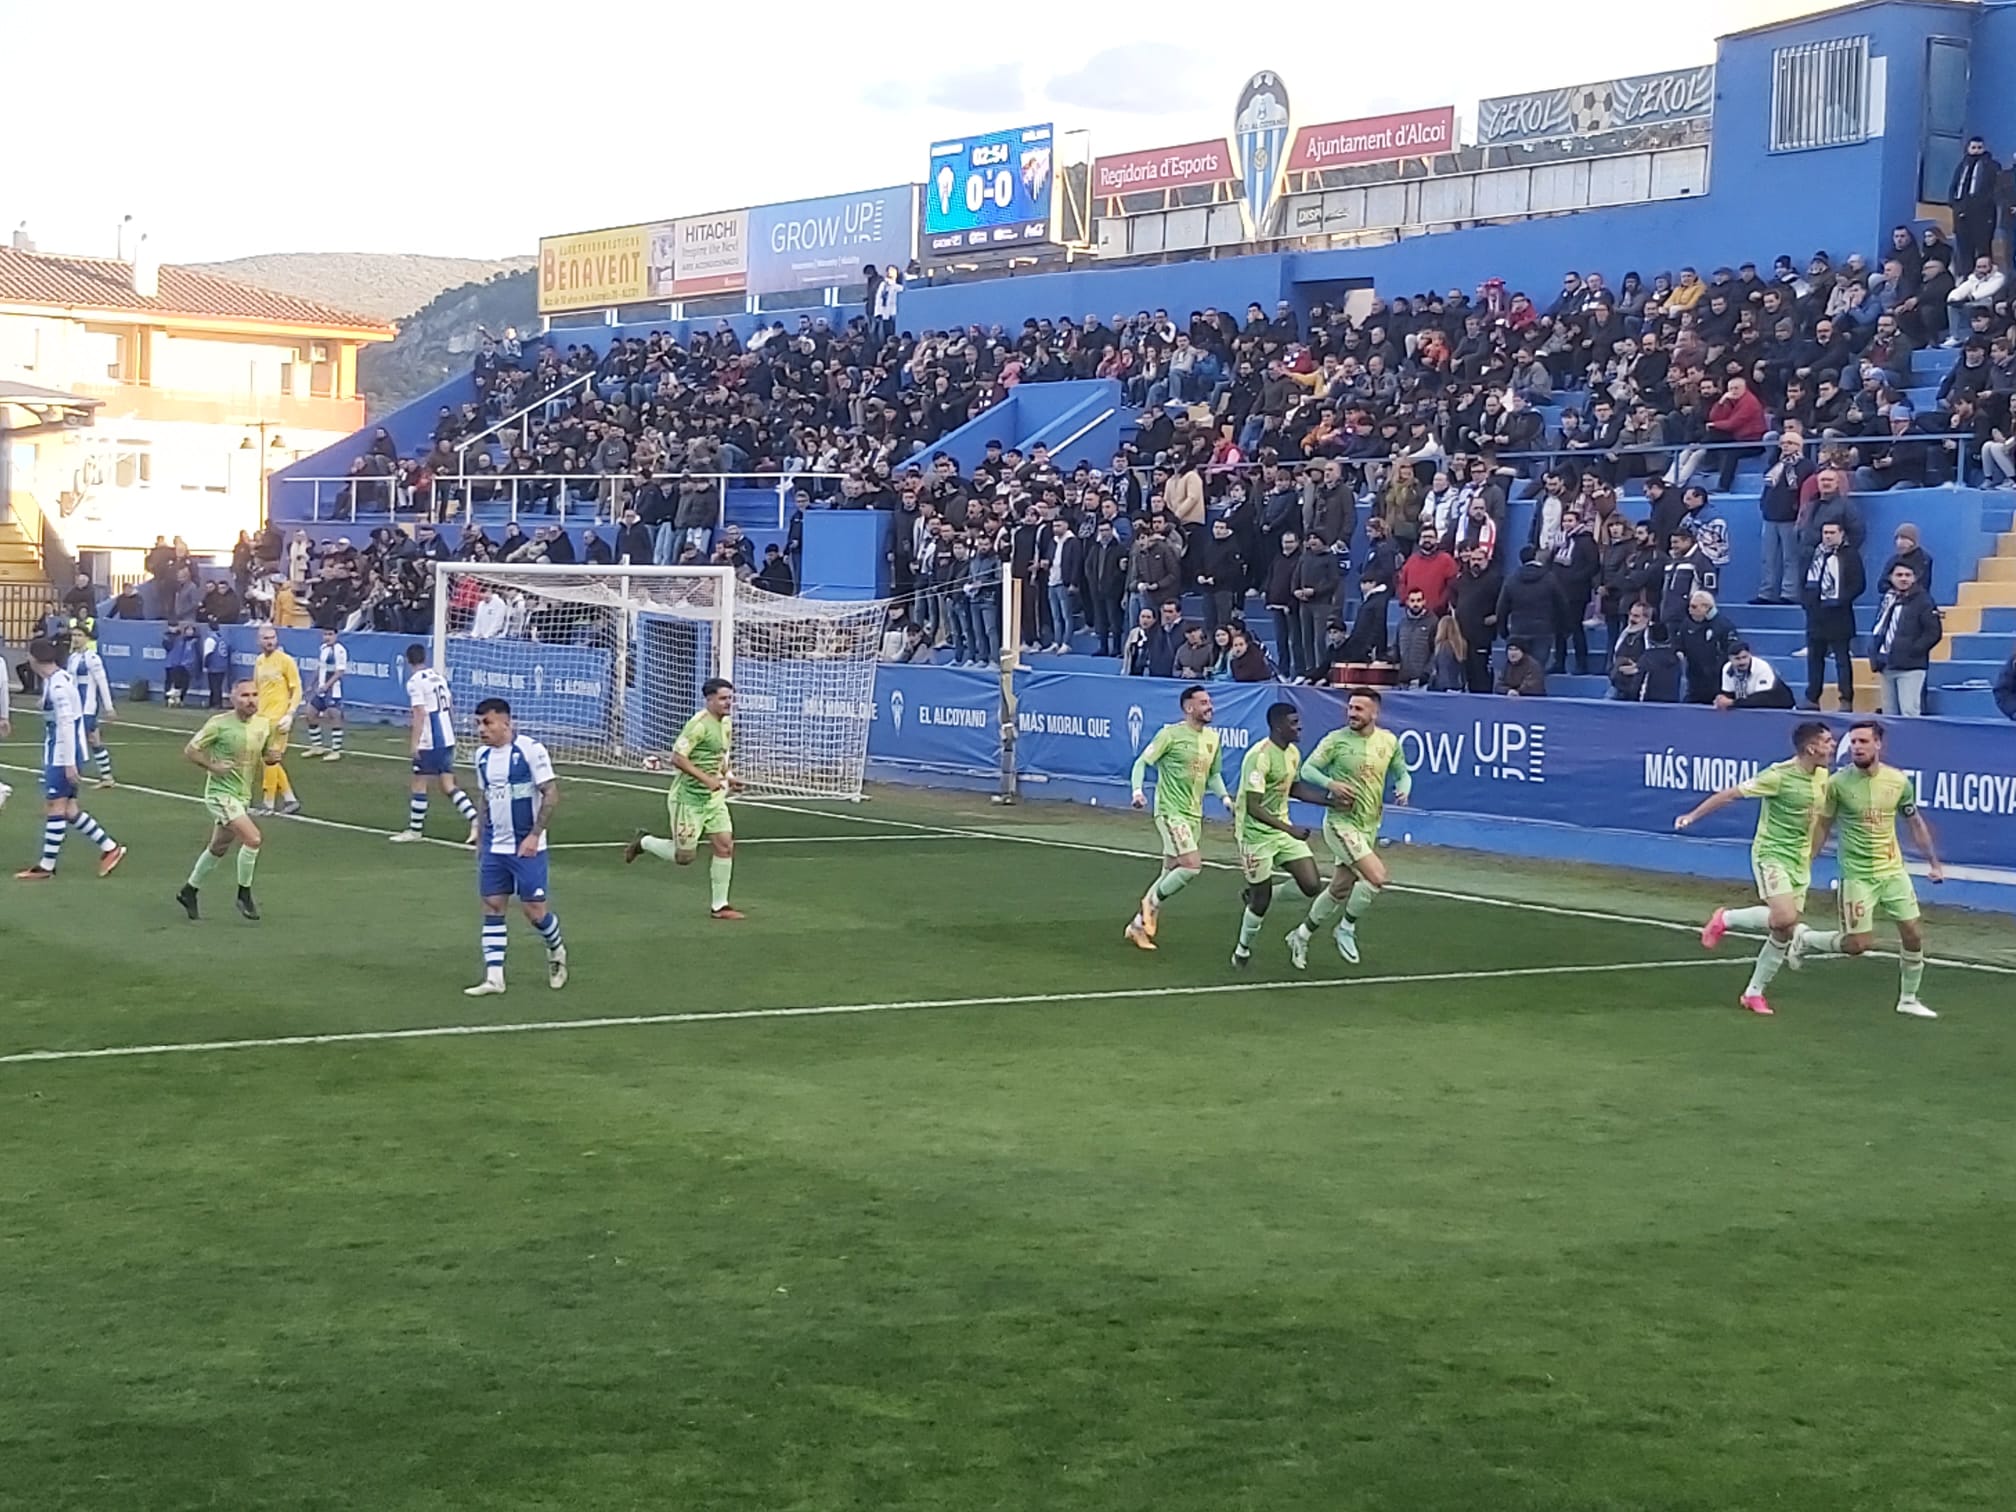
{"x":1886,"y":371}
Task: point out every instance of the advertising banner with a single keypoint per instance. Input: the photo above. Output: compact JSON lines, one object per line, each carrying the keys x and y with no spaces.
{"x":1163,"y":168}
{"x":1612,"y":766}
{"x":1583,"y":109}
{"x":710,"y":253}
{"x":554,"y":690}
{"x":1618,"y":767}
{"x":1374,"y":139}
{"x":824,"y":243}
{"x":936,"y":719}
{"x":592,"y":270}
{"x":992,"y":190}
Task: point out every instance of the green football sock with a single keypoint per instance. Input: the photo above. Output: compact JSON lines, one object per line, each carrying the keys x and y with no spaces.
{"x":719,"y":870}
{"x":1249,"y":928}
{"x":205,"y":864}
{"x":1752,"y":919}
{"x":1363,"y":894}
{"x":1769,"y":959}
{"x":664,"y":850}
{"x":1819,"y":942}
{"x":248,"y":862}
{"x":1172,"y":882}
{"x":1911,"y":972}
{"x":1324,"y":907}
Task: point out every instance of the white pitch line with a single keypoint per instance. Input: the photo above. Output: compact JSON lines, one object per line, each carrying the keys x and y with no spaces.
{"x":1447,"y":894}
{"x":742,"y":840}
{"x":458,"y":845}
{"x":1555,"y":910}
{"x":308,"y":819}
{"x":826,"y":1010}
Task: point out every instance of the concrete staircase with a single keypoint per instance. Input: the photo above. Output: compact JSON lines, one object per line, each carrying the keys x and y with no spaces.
{"x":20,"y":554}
{"x":1980,"y":629}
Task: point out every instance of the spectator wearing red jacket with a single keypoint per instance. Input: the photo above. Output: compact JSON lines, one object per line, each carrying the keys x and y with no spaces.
{"x":1738,"y":416}
{"x":1430,"y":571}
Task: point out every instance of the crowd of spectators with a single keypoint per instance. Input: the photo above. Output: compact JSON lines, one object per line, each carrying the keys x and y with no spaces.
{"x":1271,"y":445}
{"x":1349,"y":468}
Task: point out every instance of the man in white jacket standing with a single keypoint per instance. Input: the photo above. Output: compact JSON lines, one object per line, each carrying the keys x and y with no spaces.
{"x":882,"y":326}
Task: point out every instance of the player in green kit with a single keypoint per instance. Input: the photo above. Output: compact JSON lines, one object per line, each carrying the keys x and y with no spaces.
{"x":1865,"y":799}
{"x":1781,"y":854}
{"x":698,"y":800}
{"x":1185,"y":756}
{"x":230,"y":749}
{"x":1271,"y":845}
{"x":1352,"y":766}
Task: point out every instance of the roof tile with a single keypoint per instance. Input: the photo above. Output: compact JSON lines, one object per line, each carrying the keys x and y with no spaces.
{"x":100,"y":283}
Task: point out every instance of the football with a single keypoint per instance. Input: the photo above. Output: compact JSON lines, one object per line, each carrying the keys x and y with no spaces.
{"x":651,"y":763}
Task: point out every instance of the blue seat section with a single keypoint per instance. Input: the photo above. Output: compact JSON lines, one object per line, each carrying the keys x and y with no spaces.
{"x":1076,"y":419}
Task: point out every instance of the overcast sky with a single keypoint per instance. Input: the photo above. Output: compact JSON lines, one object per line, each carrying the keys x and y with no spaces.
{"x":230,"y":128}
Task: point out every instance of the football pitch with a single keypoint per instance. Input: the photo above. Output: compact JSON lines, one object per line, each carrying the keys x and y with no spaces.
{"x":920,"y":1189}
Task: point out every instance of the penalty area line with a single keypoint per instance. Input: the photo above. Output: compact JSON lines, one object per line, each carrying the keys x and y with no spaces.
{"x":315,"y":822}
{"x":1051,"y":842}
{"x":830,"y":1010}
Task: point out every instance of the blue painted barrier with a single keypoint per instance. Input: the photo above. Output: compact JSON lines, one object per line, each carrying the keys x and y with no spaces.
{"x":1562,"y":779}
{"x":1584,"y":766}
{"x":564,"y":687}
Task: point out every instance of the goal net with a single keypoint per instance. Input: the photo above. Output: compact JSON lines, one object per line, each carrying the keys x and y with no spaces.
{"x":604,"y":666}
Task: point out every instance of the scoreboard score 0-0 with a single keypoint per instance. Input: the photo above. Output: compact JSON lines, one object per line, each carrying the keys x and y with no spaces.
{"x":989,"y":191}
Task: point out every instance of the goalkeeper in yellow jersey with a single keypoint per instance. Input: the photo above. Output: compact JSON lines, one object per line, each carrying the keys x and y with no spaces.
{"x":278,"y":681}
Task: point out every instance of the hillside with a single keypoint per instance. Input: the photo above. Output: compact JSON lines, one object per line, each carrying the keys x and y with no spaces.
{"x":390,"y":286}
{"x":440,"y":339}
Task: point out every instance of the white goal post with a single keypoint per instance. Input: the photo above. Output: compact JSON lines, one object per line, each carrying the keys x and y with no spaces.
{"x":604,"y":665}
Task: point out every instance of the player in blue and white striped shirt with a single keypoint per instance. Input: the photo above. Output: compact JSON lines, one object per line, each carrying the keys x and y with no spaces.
{"x":325,"y":703}
{"x":514,"y":778}
{"x":62,"y":755}
{"x":432,"y":745}
{"x":94,"y":692}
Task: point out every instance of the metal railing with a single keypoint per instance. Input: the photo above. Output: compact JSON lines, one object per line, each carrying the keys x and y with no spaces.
{"x":557,"y":498}
{"x":23,"y":606}
{"x":544,"y":402}
{"x":1658,"y":459}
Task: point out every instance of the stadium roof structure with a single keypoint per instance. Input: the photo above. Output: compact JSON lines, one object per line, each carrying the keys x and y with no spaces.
{"x":103,"y":285}
{"x":28,"y":396}
{"x":49,"y":409}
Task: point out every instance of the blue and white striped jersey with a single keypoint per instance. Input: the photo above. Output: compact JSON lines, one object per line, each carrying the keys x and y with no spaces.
{"x":509,"y":777}
{"x":427,"y":691}
{"x":63,"y":722}
{"x":331,"y":662}
{"x":87,"y":671}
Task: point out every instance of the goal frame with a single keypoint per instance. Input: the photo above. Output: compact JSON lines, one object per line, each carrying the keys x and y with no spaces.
{"x":724,"y":634}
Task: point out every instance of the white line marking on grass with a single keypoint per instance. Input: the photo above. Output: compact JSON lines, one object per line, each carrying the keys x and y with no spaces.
{"x":308,"y":819}
{"x":742,"y":840}
{"x":1520,"y":905}
{"x":458,"y":845}
{"x":1555,"y":910}
{"x":828,"y":1010}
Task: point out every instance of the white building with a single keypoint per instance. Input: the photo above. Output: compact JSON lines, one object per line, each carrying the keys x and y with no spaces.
{"x":200,"y":387}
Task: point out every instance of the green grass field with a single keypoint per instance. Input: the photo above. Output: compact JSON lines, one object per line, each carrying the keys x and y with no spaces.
{"x":1521,"y":1213}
